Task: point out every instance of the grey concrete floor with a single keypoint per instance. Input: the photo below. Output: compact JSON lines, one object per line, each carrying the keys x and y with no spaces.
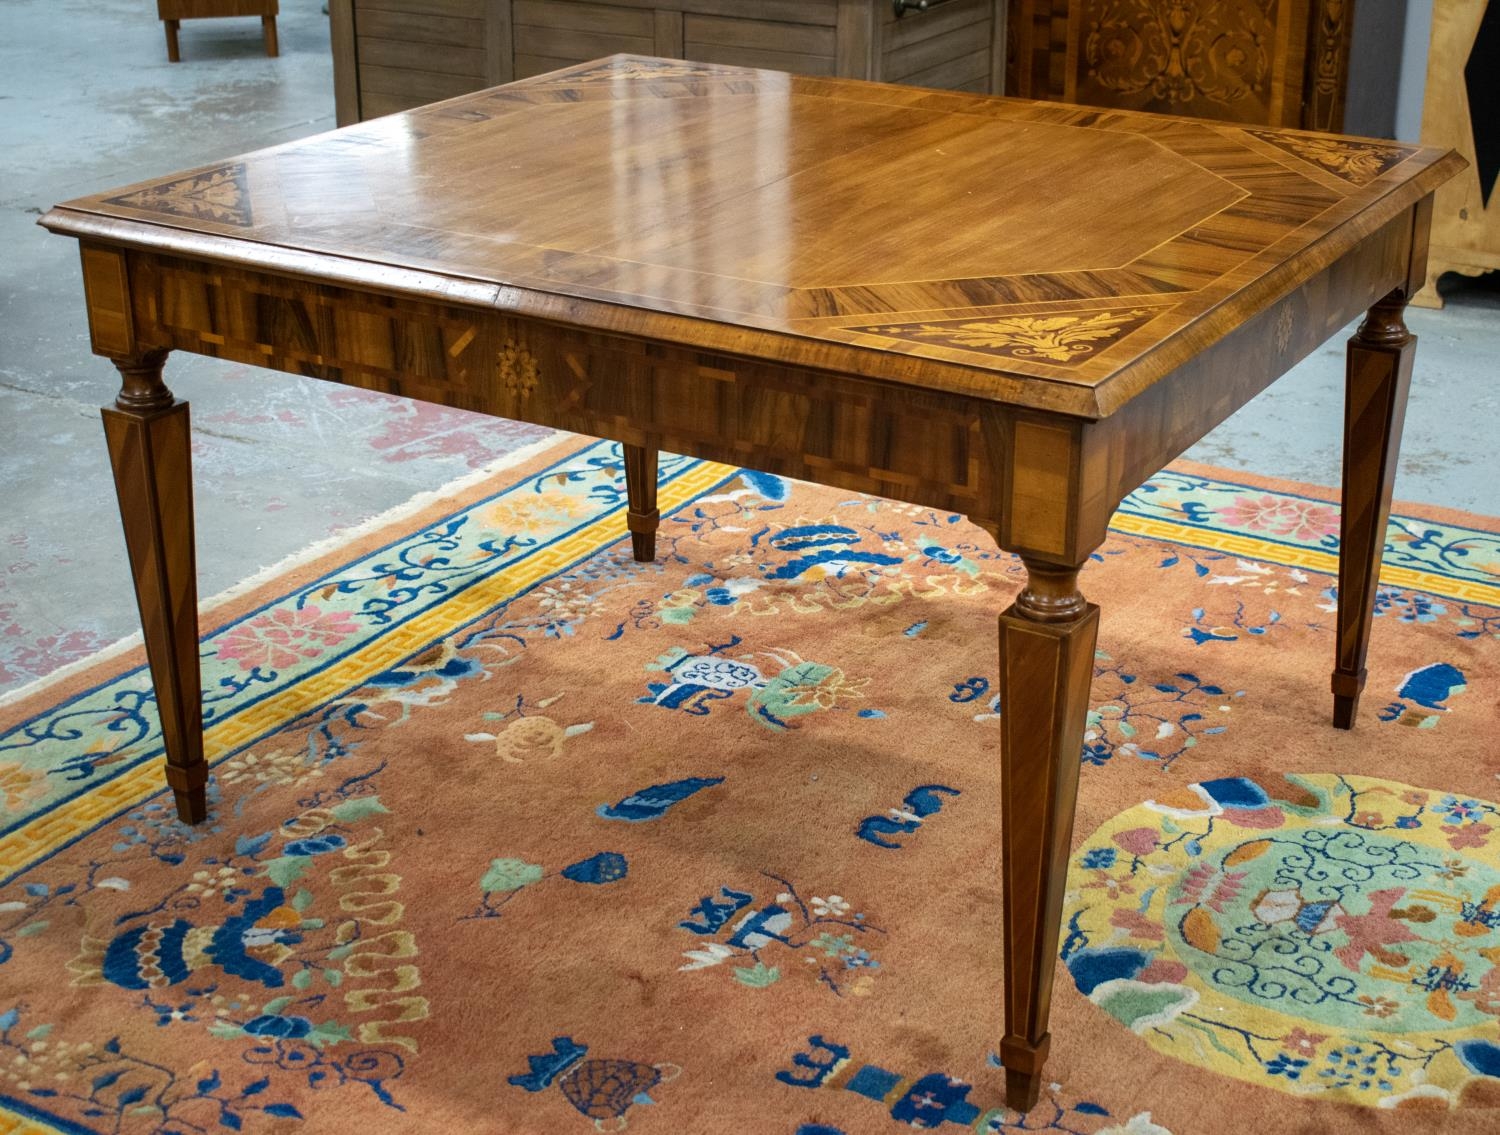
{"x":88,"y":101}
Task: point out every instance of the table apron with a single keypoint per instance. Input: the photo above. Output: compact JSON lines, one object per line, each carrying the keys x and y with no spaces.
{"x":927,"y":447}
{"x":1042,"y":483}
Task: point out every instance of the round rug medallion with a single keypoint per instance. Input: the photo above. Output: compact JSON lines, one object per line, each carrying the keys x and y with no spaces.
{"x":1332,"y":936}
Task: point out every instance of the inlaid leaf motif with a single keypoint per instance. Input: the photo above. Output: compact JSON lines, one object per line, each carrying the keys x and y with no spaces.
{"x":1061,"y":337}
{"x":1357,"y":162}
{"x":218,"y":195}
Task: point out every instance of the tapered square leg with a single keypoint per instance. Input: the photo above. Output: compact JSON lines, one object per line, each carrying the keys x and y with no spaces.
{"x":147,"y":432}
{"x":1046,"y":665}
{"x":1377,"y":378}
{"x":640,"y":487}
{"x":268,"y":28}
{"x":174,"y":55}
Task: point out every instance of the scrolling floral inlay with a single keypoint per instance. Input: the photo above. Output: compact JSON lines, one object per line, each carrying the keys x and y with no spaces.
{"x":1057,"y":338}
{"x":640,"y":69}
{"x":219,"y":195}
{"x":1181,"y":50}
{"x":1357,"y":162}
{"x":519,"y":371}
{"x":1327,"y":62}
{"x":1286,"y":322}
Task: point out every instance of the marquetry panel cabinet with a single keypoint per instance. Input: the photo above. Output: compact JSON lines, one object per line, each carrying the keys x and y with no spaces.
{"x":1263,"y":62}
{"x":391,"y":55}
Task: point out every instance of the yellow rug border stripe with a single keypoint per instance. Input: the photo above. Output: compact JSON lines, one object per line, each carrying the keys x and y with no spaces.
{"x":73,"y":818}
{"x":13,"y":1123}
{"x":1313,"y":559}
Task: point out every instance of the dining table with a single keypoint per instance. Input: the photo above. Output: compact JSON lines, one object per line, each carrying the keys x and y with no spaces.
{"x":1016,"y":311}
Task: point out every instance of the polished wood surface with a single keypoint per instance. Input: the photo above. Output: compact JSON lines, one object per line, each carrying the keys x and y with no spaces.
{"x":1466,"y":211}
{"x":1264,"y":62}
{"x":173,"y":12}
{"x":820,"y":278}
{"x":392,"y":55}
{"x":816,"y":222}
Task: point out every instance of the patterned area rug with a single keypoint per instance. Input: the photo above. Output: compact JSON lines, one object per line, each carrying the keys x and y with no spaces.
{"x":513,"y":834}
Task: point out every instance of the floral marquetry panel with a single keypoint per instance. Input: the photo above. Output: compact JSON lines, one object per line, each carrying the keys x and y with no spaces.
{"x":1212,"y":57}
{"x":1267,"y":62}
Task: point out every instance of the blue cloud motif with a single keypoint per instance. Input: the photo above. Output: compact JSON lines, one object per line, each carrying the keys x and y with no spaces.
{"x":920,"y":802}
{"x":815,"y":545}
{"x":768,"y":485}
{"x":652,"y":803}
{"x":1432,"y":685}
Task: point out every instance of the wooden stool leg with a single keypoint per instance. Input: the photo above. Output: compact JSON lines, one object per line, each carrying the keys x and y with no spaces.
{"x":268,"y":26}
{"x":173,"y":54}
{"x":640,"y":487}
{"x":1046,"y":664}
{"x":147,"y":431}
{"x":1377,"y":378}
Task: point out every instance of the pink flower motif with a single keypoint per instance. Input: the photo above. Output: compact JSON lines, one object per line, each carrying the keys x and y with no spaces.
{"x":1303,"y":1044}
{"x":1470,"y":835}
{"x":1196,"y":880}
{"x":283,"y":637}
{"x":1228,"y":890}
{"x":1282,"y":516}
{"x":1255,"y":817}
{"x":1137,"y":923}
{"x":1162,"y":971}
{"x":1137,"y":841}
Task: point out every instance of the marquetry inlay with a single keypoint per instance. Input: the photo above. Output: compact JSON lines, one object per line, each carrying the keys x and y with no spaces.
{"x":518,"y":369}
{"x":1180,"y":51}
{"x":219,"y":195}
{"x":1286,"y":322}
{"x":1062,"y":339}
{"x":1053,"y":242}
{"x":1357,"y":162}
{"x":629,"y":68}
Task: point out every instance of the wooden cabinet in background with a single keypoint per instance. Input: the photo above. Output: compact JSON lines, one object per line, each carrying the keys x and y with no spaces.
{"x":1460,"y":109}
{"x":390,"y":55}
{"x":1267,"y":62}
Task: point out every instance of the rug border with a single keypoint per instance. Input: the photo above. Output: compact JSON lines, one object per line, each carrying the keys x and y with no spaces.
{"x":295,"y":564}
{"x":1329,"y":494}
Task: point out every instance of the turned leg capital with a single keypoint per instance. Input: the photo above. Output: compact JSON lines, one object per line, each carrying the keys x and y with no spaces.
{"x":141,"y":387}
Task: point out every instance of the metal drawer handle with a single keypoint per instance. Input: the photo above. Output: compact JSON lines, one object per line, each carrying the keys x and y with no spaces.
{"x":904,"y":6}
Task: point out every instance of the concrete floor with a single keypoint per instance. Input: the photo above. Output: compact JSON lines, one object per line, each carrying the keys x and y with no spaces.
{"x":88,"y":101}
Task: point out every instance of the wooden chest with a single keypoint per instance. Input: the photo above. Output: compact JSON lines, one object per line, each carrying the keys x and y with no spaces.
{"x":390,"y":55}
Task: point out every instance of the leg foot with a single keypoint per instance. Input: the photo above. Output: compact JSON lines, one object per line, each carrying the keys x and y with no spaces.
{"x":1377,"y":377}
{"x":268,"y":27}
{"x":1046,"y":665}
{"x":640,"y":487}
{"x":147,"y":431}
{"x":173,"y":54}
{"x":1023,"y":1071}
